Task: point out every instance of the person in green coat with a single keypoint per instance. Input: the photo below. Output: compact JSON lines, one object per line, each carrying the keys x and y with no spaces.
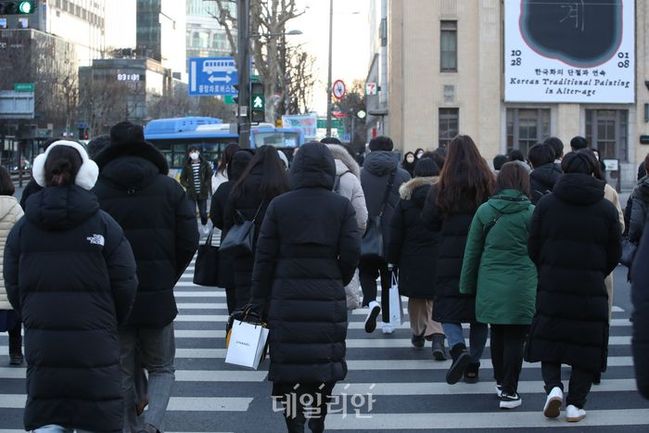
{"x":498,"y":270}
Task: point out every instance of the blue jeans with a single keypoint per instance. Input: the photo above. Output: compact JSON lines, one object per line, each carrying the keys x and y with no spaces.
{"x":156,"y":350}
{"x":57,"y":429}
{"x":477,"y":337}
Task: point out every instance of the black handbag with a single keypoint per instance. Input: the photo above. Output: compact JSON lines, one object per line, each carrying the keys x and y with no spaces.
{"x":372,"y":241}
{"x":241,"y":237}
{"x":628,"y":253}
{"x":206,"y":269}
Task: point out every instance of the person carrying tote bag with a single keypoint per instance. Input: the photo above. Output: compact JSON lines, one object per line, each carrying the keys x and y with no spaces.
{"x":381,"y":165}
{"x":263,"y":179}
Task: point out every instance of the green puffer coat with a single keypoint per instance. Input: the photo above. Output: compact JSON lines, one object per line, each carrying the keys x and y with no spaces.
{"x":496,"y":263}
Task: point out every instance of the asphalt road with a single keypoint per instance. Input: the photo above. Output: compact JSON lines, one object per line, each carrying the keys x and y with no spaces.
{"x":407,"y":387}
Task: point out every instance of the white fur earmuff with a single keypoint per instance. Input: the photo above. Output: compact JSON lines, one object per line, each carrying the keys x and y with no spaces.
{"x":87,"y":175}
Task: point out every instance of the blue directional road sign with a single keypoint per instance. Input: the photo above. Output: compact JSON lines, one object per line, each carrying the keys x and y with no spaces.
{"x":212,"y":76}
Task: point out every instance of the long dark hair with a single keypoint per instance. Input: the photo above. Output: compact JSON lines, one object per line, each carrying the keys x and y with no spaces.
{"x":466,"y":180}
{"x":597,"y":171}
{"x":226,"y":157}
{"x":6,"y":185}
{"x":62,"y":165}
{"x":274,"y":179}
{"x":513,"y":175}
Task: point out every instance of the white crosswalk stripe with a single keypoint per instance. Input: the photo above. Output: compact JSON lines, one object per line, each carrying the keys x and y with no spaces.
{"x":407,"y":387}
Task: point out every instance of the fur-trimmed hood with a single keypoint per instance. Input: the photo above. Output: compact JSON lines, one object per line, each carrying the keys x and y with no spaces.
{"x":340,"y":154}
{"x":407,"y":189}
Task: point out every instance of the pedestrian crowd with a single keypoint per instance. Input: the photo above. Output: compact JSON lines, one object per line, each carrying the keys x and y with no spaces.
{"x":521,"y":252}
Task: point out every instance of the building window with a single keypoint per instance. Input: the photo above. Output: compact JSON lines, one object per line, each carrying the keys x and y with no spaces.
{"x":526,"y":127}
{"x":449,"y":125}
{"x":448,"y":46}
{"x":607,"y":131}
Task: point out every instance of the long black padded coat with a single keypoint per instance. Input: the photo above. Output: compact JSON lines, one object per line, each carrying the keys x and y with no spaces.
{"x":70,"y":272}
{"x":640,"y":297}
{"x":412,"y":245}
{"x":240,"y":160}
{"x":158,"y":220}
{"x":307,"y":252}
{"x":249,"y":204}
{"x":450,"y":305}
{"x":575,"y":243}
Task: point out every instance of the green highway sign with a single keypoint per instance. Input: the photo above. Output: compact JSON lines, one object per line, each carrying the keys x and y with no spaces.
{"x":335,"y":124}
{"x":23,"y":87}
{"x":228,"y":99}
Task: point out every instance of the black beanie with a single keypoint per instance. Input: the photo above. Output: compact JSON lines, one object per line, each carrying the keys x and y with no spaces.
{"x":578,"y":162}
{"x":426,"y":167}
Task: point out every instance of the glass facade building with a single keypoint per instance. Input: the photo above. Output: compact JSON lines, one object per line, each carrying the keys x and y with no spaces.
{"x":205,"y":37}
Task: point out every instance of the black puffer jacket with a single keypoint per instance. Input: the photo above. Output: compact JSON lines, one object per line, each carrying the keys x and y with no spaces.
{"x":158,"y":221}
{"x":70,"y":272}
{"x":375,"y":175}
{"x":450,"y":305}
{"x":640,"y":297}
{"x":575,"y":244}
{"x":543,"y":179}
{"x":639,"y":210}
{"x":307,"y":252}
{"x":249,"y":204}
{"x":413,"y":246}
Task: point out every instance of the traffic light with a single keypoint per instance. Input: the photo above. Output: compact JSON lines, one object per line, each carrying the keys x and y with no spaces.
{"x":257,"y":103}
{"x":24,"y":7}
{"x":235,"y":98}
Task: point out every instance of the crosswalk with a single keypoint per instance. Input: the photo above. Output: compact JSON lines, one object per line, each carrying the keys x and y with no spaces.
{"x":389,"y":387}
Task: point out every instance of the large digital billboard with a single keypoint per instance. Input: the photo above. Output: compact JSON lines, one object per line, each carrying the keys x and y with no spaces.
{"x":572,"y":51}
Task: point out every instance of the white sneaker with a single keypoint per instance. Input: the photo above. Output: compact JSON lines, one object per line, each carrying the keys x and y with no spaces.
{"x":387,"y":328}
{"x":552,"y":408}
{"x":574,"y":414}
{"x":370,"y":321}
{"x":499,"y":390}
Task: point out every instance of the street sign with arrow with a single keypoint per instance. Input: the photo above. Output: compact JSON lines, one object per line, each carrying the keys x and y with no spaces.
{"x":212,"y":76}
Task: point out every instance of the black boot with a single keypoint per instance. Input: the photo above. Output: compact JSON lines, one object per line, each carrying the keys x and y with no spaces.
{"x":439,"y":348}
{"x":461,"y":359}
{"x":418,"y":341}
{"x":295,"y":425}
{"x":316,"y":425}
{"x":472,"y":373}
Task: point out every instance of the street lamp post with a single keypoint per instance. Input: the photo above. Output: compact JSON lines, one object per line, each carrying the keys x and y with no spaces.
{"x":330,"y":72}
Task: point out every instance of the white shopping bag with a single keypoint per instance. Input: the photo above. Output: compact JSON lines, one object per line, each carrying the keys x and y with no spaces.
{"x":247,"y":342}
{"x":396,"y":309}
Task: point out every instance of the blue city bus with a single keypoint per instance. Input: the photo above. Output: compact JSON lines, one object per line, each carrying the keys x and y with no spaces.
{"x":173,"y":137}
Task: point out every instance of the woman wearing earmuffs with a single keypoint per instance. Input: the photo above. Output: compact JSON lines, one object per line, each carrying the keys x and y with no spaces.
{"x":70,"y":273}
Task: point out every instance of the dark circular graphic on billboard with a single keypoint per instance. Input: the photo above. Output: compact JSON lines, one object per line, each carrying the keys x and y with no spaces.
{"x":580,"y":33}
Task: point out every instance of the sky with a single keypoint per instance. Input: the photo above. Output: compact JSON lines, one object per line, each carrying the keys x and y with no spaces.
{"x":350,"y":42}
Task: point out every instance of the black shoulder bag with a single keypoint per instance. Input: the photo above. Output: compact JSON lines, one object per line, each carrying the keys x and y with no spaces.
{"x":372,"y":241}
{"x":206,"y":270}
{"x":240,"y":238}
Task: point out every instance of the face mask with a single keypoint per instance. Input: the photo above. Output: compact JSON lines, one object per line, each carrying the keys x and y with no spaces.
{"x":419,"y":155}
{"x":193,"y":155}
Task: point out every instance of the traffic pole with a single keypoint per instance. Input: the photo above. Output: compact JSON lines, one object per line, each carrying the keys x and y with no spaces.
{"x":243,"y":36}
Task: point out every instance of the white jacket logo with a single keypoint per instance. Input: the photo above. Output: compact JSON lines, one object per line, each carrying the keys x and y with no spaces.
{"x":96,"y":240}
